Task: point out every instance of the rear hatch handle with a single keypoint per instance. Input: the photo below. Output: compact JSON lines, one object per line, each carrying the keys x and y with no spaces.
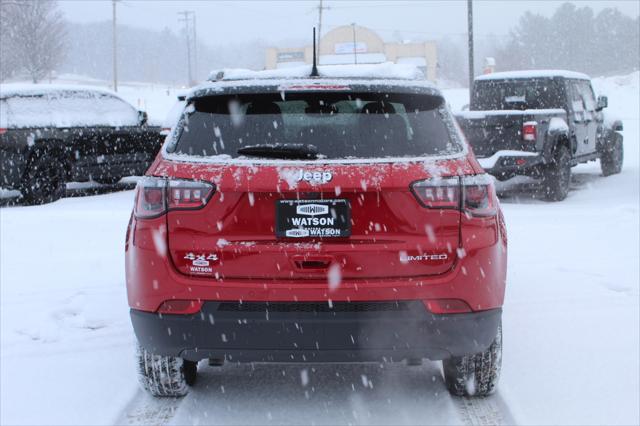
{"x":312,"y":263}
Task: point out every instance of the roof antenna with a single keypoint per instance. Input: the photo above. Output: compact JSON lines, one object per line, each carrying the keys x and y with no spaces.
{"x":314,"y":69}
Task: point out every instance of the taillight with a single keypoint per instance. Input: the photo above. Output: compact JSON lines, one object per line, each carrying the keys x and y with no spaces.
{"x":2,"y":131}
{"x":156,"y":196}
{"x":475,"y":195}
{"x":479,"y":197}
{"x":442,"y":193}
{"x":185,"y":194}
{"x":150,"y":197}
{"x":530,"y":131}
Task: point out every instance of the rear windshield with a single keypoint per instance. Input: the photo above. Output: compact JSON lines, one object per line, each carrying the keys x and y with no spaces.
{"x":517,"y":94}
{"x":339,"y":125}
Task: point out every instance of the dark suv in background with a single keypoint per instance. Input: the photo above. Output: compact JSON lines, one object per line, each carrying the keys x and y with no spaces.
{"x":51,"y":134}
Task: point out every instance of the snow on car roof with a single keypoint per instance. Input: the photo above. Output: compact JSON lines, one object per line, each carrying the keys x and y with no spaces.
{"x":387,"y":70}
{"x":331,"y":78}
{"x":29,"y":89}
{"x":507,"y":75}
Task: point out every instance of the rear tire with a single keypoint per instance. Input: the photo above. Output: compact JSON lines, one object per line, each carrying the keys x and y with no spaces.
{"x":477,"y":374}
{"x":44,"y":180}
{"x":612,"y":157}
{"x":165,"y":375}
{"x":556,"y":176}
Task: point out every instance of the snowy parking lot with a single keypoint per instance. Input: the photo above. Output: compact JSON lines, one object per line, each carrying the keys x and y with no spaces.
{"x":571,"y":321}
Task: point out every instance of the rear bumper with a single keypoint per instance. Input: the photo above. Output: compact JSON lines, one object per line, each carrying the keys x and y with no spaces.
{"x":509,"y":163}
{"x":315,"y":332}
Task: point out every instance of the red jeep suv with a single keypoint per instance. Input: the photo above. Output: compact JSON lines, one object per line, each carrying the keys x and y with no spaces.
{"x":316,"y":219}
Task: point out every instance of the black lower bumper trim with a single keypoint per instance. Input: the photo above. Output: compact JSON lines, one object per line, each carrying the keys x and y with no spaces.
{"x":316,"y":335}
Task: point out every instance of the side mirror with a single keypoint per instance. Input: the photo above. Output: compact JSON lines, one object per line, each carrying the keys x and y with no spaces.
{"x":143,"y":118}
{"x":602,"y":103}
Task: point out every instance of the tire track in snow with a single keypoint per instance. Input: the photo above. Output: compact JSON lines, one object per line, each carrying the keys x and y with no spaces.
{"x":491,"y":410}
{"x":144,"y":409}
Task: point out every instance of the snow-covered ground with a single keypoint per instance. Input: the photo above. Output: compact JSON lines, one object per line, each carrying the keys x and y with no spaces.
{"x":571,"y":320}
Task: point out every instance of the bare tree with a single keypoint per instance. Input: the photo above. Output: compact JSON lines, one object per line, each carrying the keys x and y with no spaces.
{"x":9,"y":63}
{"x":33,"y":37}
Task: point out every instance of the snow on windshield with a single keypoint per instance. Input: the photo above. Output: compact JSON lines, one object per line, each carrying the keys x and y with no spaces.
{"x":67,"y":108}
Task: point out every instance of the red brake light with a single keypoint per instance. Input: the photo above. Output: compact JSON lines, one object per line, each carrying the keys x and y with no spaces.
{"x":156,"y":196}
{"x":474,"y":194}
{"x":3,"y":131}
{"x":150,"y":198}
{"x":438,"y":193}
{"x":479,"y":197}
{"x":529,"y":131}
{"x":184,"y":194}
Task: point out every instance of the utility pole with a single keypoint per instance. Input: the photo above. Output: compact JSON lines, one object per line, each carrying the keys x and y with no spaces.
{"x":115,"y":50}
{"x":320,"y":9}
{"x":355,"y":53}
{"x":188,"y":17}
{"x":470,"y":33}
{"x":195,"y":49}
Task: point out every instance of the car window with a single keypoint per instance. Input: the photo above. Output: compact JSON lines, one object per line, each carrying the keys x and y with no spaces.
{"x":340,"y":125}
{"x":517,"y":94}
{"x":577,"y":101}
{"x":587,"y":95}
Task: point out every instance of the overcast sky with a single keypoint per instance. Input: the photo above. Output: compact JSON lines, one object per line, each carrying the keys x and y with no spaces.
{"x":280,"y":22}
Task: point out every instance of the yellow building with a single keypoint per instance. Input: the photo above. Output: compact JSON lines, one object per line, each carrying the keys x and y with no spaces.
{"x":352,"y":44}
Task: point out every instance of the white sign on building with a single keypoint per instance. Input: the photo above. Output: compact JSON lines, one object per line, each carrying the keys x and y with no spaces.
{"x":344,"y":48}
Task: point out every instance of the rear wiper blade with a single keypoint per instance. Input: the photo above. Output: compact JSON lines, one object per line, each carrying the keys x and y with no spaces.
{"x":285,"y":151}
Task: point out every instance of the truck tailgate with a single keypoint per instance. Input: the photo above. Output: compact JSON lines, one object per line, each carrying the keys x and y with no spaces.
{"x":491,"y":131}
